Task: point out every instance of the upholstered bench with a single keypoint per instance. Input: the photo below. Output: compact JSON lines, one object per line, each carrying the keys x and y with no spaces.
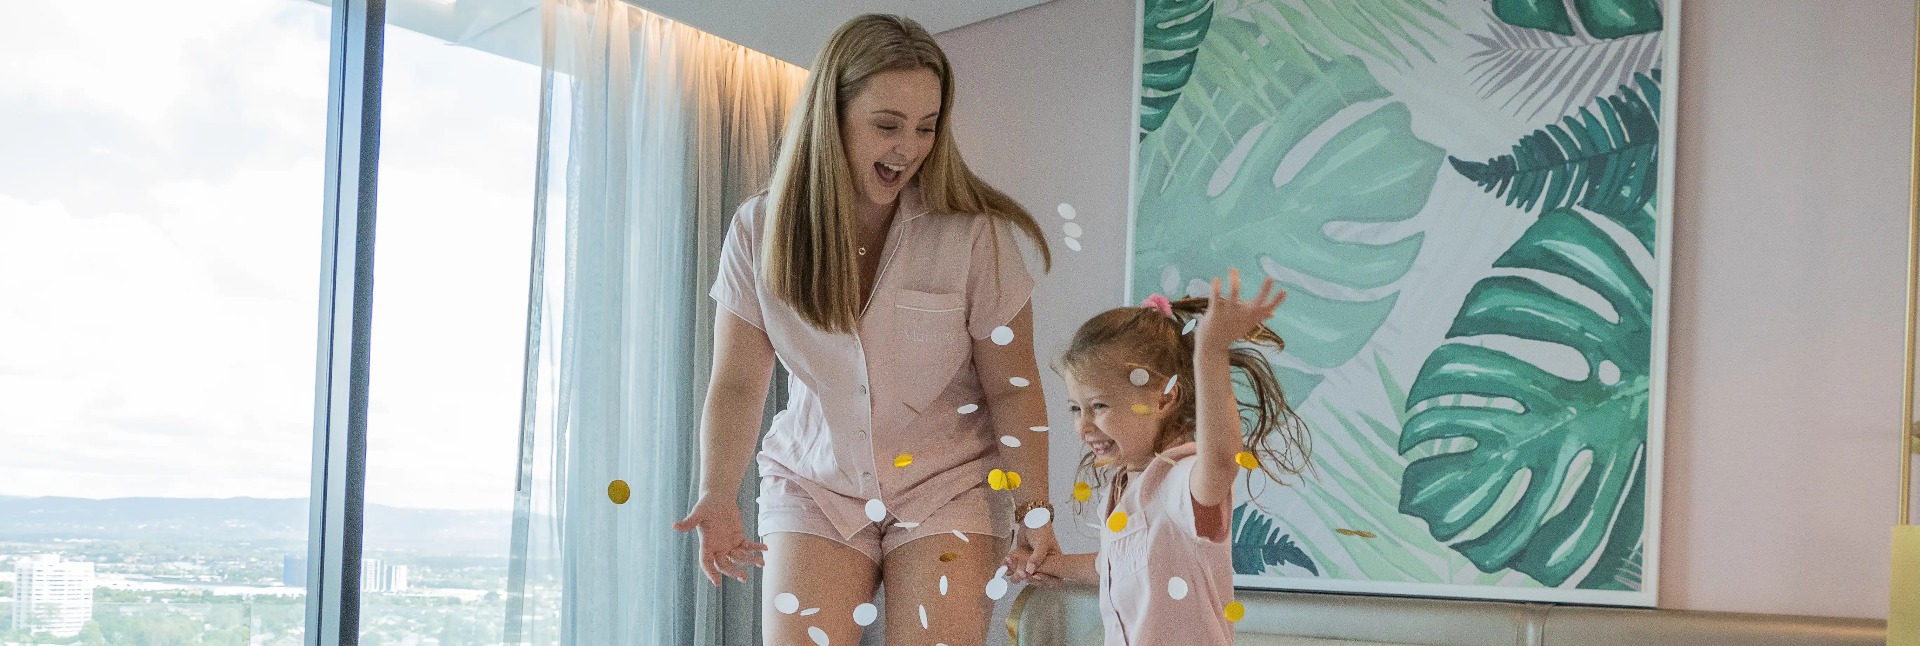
{"x":1069,"y":616}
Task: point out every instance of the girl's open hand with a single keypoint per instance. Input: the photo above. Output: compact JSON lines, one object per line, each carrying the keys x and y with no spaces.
{"x":1229,"y":319}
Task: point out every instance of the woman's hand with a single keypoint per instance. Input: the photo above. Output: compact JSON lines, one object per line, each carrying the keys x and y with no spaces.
{"x":724,"y":548}
{"x":1031,"y":549}
{"x":1229,"y":319}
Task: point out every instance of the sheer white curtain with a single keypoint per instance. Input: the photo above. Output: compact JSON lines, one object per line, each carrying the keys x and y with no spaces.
{"x":652,"y":132}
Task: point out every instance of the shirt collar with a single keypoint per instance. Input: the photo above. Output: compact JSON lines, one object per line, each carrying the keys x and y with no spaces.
{"x":913,"y":203}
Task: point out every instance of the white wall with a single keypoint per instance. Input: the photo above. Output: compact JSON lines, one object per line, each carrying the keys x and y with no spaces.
{"x":1789,"y":263}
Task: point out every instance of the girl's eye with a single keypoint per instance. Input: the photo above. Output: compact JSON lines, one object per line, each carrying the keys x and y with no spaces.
{"x":1099,"y":406}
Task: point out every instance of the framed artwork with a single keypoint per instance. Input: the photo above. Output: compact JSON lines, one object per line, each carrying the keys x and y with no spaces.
{"x":1467,"y":201}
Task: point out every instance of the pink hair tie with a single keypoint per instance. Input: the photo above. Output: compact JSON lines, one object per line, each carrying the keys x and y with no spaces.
{"x":1160,"y":304}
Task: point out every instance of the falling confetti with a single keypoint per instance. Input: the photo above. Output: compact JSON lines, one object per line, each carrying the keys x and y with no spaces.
{"x":786,"y":603}
{"x":876,"y":510}
{"x":1037,"y":429}
{"x":819,"y":636}
{"x":948,"y":557}
{"x":1139,"y":376}
{"x":1002,"y":335}
{"x":1082,"y":491}
{"x":906,"y":525}
{"x":1117,"y":521}
{"x":1072,"y":229}
{"x":996,"y":588}
{"x":1010,"y":441}
{"x":997,"y":480}
{"x":1013,"y":480}
{"x":943,"y":585}
{"x":969,"y":409}
{"x":1066,"y":211}
{"x":962,"y":536}
{"x":1073,"y":243}
{"x":1000,"y":572}
{"x":1189,"y":328}
{"x":1038,"y":517}
{"x":1143,"y":409}
{"x":1235,"y":611}
{"x":1170,"y":382}
{"x":809,"y":612}
{"x":1019,"y":382}
{"x":865,"y":613}
{"x":902,"y":461}
{"x":1177,"y":588}
{"x":1246,"y":460}
{"x":1356,"y":532}
{"x":923,"y":616}
{"x":618,"y":492}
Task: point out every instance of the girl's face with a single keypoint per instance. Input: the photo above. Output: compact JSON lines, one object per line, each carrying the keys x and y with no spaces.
{"x":887,"y":130}
{"x":1119,"y":421}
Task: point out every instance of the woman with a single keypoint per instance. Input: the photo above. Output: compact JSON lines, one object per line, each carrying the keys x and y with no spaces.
{"x":888,"y":279}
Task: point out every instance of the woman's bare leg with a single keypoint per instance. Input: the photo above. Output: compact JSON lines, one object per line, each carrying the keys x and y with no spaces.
{"x":912,"y":573}
{"x":823,"y":574}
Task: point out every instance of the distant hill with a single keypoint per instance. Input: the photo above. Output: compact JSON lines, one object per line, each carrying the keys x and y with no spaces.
{"x":254,"y":520}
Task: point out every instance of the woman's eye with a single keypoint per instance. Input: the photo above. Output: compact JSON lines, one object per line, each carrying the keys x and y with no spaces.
{"x":888,"y":128}
{"x":926,"y":131}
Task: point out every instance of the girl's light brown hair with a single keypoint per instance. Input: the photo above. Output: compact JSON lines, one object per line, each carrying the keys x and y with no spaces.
{"x":811,"y":216}
{"x":1125,"y":338}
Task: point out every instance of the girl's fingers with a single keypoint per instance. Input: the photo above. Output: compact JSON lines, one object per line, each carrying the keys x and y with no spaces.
{"x":1233,"y":279}
{"x":1266,"y":289}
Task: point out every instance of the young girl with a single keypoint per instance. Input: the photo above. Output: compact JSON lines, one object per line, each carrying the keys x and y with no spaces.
{"x":1152,"y":397}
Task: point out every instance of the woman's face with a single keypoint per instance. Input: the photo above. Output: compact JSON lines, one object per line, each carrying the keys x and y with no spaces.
{"x":888,"y":129}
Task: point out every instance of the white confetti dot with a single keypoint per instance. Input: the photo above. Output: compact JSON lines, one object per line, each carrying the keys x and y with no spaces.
{"x":1000,"y":572}
{"x":1010,"y":441}
{"x":786,"y":603}
{"x":1002,"y":335}
{"x":923,"y":616}
{"x":1037,"y":429}
{"x":819,"y":636}
{"x":876,"y":510}
{"x":1609,"y":373}
{"x":1038,"y":517}
{"x":1189,"y":328}
{"x":1177,"y":588}
{"x":1139,"y":376}
{"x":1067,"y":212}
{"x":1170,"y":382}
{"x":943,"y":585}
{"x":906,"y":525}
{"x":969,"y":408}
{"x":1019,"y":382}
{"x":1072,"y":229}
{"x":809,"y":612}
{"x":865,"y":613}
{"x":1073,"y":243}
{"x":996,"y":588}
{"x":962,"y":536}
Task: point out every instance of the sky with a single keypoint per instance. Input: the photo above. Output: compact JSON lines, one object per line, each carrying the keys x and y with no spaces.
{"x":160,"y":203}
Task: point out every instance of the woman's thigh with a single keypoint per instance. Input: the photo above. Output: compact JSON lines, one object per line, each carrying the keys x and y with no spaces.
{"x":957,"y":616}
{"x":821,"y":574}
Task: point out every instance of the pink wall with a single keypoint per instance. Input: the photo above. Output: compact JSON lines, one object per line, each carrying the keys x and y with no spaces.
{"x":1788,"y":284}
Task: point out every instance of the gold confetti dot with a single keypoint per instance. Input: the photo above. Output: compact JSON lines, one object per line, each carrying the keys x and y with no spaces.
{"x":1117,"y":522}
{"x":1247,"y":460}
{"x":1356,"y":532}
{"x":1082,"y":491}
{"x":903,"y":461}
{"x":997,"y":479}
{"x":1013,"y":480}
{"x":618,"y":492}
{"x":948,"y":557}
{"x":1142,"y":409}
{"x":1235,"y":611}
{"x":1343,"y":531}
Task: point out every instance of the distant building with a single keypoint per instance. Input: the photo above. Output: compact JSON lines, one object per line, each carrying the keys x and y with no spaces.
{"x":293,"y":571}
{"x":52,"y":596}
{"x":377,"y":576}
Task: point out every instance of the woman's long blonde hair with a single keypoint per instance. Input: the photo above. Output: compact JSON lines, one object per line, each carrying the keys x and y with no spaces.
{"x":809,"y":258}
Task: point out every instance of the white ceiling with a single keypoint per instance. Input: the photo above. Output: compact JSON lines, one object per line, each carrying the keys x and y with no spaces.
{"x":794,"y":30}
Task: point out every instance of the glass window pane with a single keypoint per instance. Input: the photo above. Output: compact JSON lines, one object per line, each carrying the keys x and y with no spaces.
{"x":160,"y":197}
{"x":460,"y":111}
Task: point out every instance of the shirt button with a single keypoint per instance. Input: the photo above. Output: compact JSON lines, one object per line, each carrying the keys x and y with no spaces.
{"x":862,"y":389}
{"x":862,"y":433}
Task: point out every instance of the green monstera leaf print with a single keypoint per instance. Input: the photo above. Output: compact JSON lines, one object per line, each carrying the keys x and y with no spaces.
{"x":1258,"y":544}
{"x":1205,"y":207}
{"x":1601,"y":18}
{"x":1527,"y":425}
{"x":1171,"y":33}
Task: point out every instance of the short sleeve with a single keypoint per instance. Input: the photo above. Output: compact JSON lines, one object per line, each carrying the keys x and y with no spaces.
{"x":999,"y":283}
{"x":737,"y":285}
{"x":1176,"y":499}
